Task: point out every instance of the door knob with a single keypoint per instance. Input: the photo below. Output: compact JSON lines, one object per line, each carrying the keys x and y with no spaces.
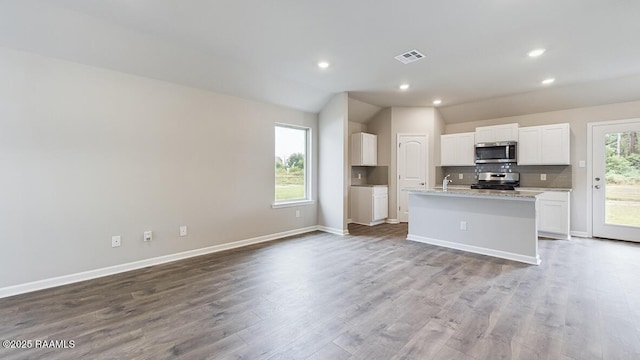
{"x":597,"y":179}
{"x":597,"y":186}
{"x":421,"y":183}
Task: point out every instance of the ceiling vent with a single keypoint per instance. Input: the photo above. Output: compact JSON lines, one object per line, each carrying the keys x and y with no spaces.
{"x":410,"y":56}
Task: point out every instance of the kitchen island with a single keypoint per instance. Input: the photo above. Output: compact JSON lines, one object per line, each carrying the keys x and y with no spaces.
{"x":489,"y":222}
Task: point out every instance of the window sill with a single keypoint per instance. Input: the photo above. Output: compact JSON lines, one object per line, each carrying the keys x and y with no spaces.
{"x":286,"y":204}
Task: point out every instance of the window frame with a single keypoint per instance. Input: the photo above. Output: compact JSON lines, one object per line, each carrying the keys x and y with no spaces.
{"x":308,"y":166}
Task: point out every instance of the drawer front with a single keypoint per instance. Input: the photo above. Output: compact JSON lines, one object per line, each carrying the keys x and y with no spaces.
{"x":554,"y":195}
{"x":380,"y":190}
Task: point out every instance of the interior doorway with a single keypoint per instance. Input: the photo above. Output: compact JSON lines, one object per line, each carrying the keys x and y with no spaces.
{"x":412,"y":165}
{"x":615,"y":179}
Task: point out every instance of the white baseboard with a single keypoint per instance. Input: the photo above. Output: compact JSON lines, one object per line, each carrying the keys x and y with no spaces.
{"x":478,"y":250}
{"x":333,"y":230}
{"x":554,"y":235}
{"x":582,"y":234}
{"x":111,"y":270}
{"x":393,"y":221}
{"x":373,"y":223}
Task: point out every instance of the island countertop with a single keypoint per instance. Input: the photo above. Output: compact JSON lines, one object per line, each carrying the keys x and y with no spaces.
{"x":500,"y":223}
{"x":478,"y":193}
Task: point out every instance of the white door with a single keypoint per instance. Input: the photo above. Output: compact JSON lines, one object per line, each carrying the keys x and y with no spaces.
{"x":412,"y":169}
{"x":616,"y":180}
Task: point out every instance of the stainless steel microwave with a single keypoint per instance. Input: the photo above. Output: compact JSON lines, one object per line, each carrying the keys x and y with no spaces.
{"x":496,"y":152}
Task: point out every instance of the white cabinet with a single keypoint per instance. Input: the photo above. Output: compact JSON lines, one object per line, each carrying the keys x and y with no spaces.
{"x":380,"y":205}
{"x":555,"y":144}
{"x":495,"y":133}
{"x":457,"y":149}
{"x":369,"y":204}
{"x":529,"y":146}
{"x":544,"y":145}
{"x":364,"y":149}
{"x":553,"y":214}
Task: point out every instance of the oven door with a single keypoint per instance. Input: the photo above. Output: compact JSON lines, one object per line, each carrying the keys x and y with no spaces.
{"x":495,"y":153}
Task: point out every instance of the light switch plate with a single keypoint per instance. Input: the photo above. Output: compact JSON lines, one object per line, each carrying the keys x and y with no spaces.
{"x":460,"y":176}
{"x":148,"y":235}
{"x":183,"y":230}
{"x":582,"y":163}
{"x":543,"y":177}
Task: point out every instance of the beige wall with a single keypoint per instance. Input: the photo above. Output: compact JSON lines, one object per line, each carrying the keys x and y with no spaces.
{"x":578,"y":120}
{"x":333,"y":165}
{"x":88,"y":153}
{"x":390,"y":122}
{"x":381,"y":126}
{"x":438,"y":129}
{"x":412,"y":120}
{"x":354,"y":127}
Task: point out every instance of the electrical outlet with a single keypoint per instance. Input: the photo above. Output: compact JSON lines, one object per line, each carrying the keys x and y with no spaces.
{"x":183,"y":230}
{"x":460,"y":176}
{"x":463,"y":225}
{"x":582,"y":163}
{"x":359,"y":176}
{"x":148,"y":235}
{"x":297,"y":213}
{"x":543,"y":177}
{"x":116,"y":241}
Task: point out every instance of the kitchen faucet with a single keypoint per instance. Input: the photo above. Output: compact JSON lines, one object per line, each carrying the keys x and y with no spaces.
{"x":446,"y":181}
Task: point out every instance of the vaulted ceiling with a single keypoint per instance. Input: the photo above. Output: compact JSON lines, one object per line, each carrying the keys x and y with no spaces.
{"x":476,"y":51}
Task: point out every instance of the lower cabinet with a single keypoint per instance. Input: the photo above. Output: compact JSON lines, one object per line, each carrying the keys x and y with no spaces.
{"x":369,"y":204}
{"x":553,"y":214}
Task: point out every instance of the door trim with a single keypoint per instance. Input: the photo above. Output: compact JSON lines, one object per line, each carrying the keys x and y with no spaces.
{"x":426,"y":173}
{"x":590,"y":127}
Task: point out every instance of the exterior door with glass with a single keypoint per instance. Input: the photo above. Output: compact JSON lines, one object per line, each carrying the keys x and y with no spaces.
{"x":616,"y":180}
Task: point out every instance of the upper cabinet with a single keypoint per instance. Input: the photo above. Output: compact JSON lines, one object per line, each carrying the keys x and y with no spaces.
{"x":544,"y":145}
{"x":495,"y":133}
{"x":457,"y":149}
{"x":364,"y":149}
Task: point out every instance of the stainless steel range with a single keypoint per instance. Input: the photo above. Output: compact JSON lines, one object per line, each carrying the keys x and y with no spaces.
{"x":497,"y":181}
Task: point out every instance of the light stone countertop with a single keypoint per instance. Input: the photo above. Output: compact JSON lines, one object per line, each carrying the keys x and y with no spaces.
{"x":477,"y":193}
{"x":369,"y":185}
{"x":536,"y":189}
{"x":542,"y":189}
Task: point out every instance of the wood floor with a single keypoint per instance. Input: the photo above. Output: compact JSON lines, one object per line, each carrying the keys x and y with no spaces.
{"x":370,"y":295}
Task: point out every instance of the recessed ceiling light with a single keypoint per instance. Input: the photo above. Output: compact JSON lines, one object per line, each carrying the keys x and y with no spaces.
{"x":437,"y":102}
{"x":323,"y":64}
{"x":404,"y":86}
{"x":548,"y":81}
{"x":536,"y":52}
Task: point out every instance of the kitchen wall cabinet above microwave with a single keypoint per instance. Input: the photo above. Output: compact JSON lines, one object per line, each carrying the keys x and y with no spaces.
{"x":497,"y":133}
{"x":364,"y":149}
{"x":457,"y":149}
{"x":544,"y":145}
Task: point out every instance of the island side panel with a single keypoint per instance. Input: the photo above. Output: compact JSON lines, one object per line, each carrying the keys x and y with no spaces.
{"x":497,"y":226}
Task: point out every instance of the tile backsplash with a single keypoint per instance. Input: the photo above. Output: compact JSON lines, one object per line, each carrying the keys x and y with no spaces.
{"x":468,"y":175}
{"x":558,"y":176}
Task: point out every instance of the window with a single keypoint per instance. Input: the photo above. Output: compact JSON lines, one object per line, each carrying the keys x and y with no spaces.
{"x":292,"y":164}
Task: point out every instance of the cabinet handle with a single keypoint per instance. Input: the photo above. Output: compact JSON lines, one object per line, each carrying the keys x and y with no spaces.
{"x":421,"y":183}
{"x":597,"y":186}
